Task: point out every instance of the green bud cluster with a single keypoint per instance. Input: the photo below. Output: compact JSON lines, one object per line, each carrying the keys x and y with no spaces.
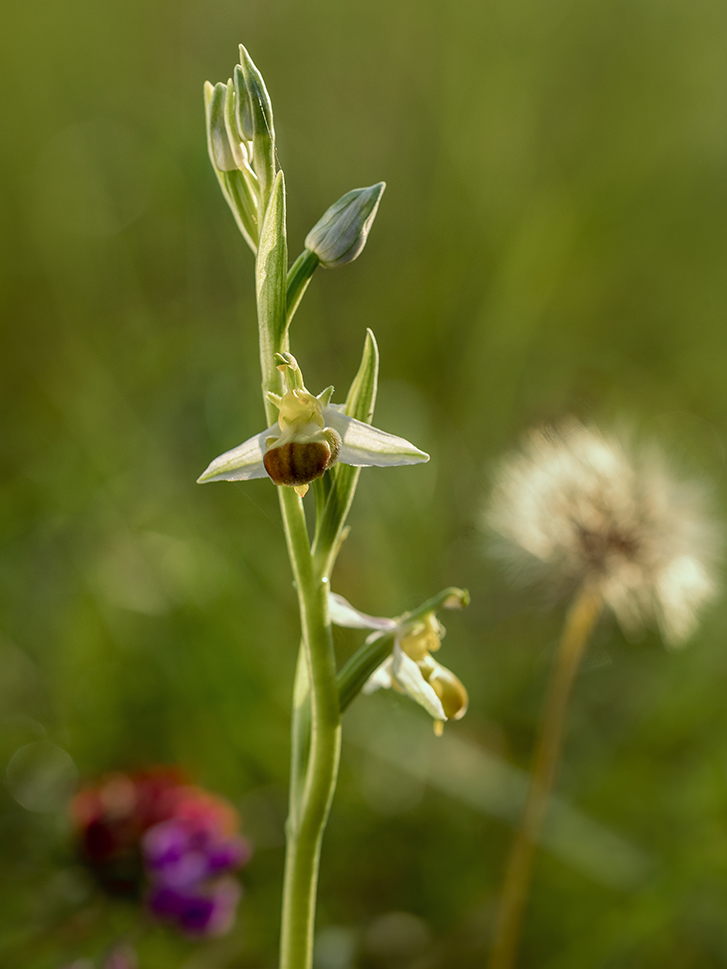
{"x":241,"y":143}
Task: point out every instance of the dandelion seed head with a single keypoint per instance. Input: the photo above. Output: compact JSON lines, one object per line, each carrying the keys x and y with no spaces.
{"x":575,"y":507}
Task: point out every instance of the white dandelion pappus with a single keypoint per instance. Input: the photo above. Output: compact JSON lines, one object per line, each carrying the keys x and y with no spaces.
{"x":576,"y":507}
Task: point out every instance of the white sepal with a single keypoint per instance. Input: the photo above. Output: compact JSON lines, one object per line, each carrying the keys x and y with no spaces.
{"x":380,"y":679}
{"x":243,"y":462}
{"x":342,"y":613}
{"x":364,"y":446}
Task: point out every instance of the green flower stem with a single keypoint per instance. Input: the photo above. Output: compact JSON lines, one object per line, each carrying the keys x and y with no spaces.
{"x":299,"y":275}
{"x":316,"y":726}
{"x":307,"y":821}
{"x":518,"y":875}
{"x":300,"y":737}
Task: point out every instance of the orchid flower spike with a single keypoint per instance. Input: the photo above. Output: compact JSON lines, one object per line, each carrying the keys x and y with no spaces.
{"x":309,"y":437}
{"x":410,"y":668}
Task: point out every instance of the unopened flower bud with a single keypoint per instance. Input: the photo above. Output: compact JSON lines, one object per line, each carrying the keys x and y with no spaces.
{"x":238,"y":146}
{"x":218,"y":139}
{"x":242,"y":104}
{"x":255,"y":119}
{"x":340,"y":235}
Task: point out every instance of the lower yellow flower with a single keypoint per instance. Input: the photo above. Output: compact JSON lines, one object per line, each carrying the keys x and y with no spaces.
{"x":410,"y":669}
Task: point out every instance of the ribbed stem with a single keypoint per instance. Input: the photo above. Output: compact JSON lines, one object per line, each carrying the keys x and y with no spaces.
{"x":309,"y":807}
{"x":518,"y":875}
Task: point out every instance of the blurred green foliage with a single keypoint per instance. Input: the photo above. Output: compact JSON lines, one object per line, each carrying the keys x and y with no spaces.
{"x":552,"y":239}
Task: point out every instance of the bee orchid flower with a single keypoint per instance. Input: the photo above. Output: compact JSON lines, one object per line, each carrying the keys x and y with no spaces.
{"x":310,"y":436}
{"x":410,"y":668}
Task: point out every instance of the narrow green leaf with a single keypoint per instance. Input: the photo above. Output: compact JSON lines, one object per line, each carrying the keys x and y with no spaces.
{"x":359,"y":668}
{"x":344,"y":478}
{"x":322,"y":489}
{"x":300,"y":737}
{"x":271,"y":272}
{"x":361,"y":397}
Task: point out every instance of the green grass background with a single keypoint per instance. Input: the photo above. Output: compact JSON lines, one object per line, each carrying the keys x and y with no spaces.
{"x":552,"y":240}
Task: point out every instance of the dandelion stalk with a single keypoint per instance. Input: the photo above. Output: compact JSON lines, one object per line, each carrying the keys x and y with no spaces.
{"x":583,"y":510}
{"x":579,"y":625}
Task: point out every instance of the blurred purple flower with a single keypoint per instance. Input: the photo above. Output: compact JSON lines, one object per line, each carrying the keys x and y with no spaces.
{"x":206,"y":908}
{"x":153,"y":832}
{"x":188,"y":859}
{"x":183,"y":851}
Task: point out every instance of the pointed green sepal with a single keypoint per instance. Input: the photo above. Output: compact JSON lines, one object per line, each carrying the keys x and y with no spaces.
{"x":243,"y":204}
